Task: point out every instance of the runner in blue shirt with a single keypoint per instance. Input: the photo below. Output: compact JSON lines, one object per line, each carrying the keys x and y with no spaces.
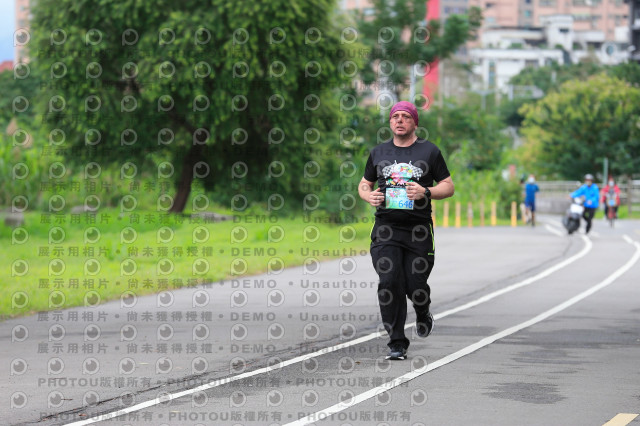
{"x":530,"y":190}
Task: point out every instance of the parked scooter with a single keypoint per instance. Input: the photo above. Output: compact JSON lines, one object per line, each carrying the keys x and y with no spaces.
{"x":571,"y":220}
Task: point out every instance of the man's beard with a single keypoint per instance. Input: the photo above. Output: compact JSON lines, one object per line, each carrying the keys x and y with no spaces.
{"x":406,"y":136}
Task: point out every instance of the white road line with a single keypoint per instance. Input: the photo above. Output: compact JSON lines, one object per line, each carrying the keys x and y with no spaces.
{"x":169,"y":397}
{"x":324,"y":414}
{"x":553,"y":230}
{"x":552,"y":223}
{"x":622,"y":419}
{"x":587,"y":247}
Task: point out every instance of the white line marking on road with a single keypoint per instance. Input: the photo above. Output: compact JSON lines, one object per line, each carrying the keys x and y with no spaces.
{"x":324,"y":414}
{"x":552,"y":223}
{"x":553,"y":230}
{"x":621,"y":419}
{"x":165,"y":398}
{"x":587,"y":247}
{"x":628,"y":239}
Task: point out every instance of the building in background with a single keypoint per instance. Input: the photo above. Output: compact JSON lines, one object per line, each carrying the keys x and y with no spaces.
{"x":504,"y":52}
{"x":6,"y":65}
{"x":453,"y":7}
{"x":436,"y":9}
{"x":495,"y":67}
{"x":431,"y":82}
{"x":444,"y":8}
{"x":634,"y":30}
{"x":599,"y":18}
{"x":528,"y":33}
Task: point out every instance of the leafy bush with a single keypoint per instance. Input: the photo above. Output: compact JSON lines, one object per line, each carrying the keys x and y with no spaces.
{"x":22,"y":168}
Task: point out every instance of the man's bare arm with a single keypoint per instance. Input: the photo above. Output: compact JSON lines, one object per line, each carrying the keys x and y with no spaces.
{"x":366,"y":192}
{"x":444,"y":189}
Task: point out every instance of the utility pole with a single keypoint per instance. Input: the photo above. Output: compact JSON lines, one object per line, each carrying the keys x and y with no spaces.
{"x":629,"y":195}
{"x":412,"y":84}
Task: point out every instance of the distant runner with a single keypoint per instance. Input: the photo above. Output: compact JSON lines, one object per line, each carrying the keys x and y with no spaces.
{"x":530,"y":190}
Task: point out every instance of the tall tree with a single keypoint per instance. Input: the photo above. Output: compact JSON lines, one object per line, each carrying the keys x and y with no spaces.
{"x":551,"y":77}
{"x":226,"y":92}
{"x":471,"y":138}
{"x":399,"y":37}
{"x":17,"y":98}
{"x":569,"y":132}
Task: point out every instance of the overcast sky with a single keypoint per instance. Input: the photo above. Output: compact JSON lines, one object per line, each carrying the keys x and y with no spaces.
{"x":7,"y":27}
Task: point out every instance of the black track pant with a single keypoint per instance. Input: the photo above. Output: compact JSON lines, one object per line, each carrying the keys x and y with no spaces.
{"x":588,"y":217}
{"x":403,"y":260}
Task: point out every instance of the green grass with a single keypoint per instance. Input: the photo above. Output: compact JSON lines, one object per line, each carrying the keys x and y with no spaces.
{"x":261,"y":241}
{"x":267,"y":238}
{"x":623,"y":212}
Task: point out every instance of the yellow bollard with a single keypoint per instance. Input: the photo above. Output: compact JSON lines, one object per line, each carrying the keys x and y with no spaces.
{"x":482,"y":213}
{"x":445,"y":215}
{"x":458,"y":214}
{"x":494,"y":219}
{"x":514,"y":214}
{"x":470,"y":215}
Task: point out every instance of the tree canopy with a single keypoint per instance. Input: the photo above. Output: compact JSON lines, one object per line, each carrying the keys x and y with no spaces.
{"x":222,"y":91}
{"x":398,"y":36}
{"x":471,"y":137}
{"x":550,"y":78}
{"x":17,"y":98}
{"x":570,"y":131}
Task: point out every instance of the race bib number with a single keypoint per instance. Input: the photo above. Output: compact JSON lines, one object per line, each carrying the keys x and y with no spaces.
{"x":396,"y":198}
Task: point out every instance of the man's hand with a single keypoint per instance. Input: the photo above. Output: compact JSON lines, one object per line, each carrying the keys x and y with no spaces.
{"x":415,"y":191}
{"x":376,"y":197}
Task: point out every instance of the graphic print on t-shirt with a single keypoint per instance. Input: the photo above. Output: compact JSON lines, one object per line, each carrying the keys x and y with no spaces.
{"x":424,"y":155}
{"x":398,"y":175}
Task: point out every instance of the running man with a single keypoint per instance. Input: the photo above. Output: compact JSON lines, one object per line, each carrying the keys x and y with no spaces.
{"x":530,"y":190}
{"x":402,"y":243}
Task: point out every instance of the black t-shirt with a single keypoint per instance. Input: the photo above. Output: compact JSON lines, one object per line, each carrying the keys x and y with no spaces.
{"x":392,"y":166}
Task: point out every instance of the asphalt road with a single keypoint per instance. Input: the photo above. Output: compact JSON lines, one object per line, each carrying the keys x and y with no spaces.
{"x":532,"y":327}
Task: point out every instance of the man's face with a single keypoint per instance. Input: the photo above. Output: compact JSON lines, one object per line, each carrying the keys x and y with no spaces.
{"x":588,"y":182}
{"x":402,"y":123}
